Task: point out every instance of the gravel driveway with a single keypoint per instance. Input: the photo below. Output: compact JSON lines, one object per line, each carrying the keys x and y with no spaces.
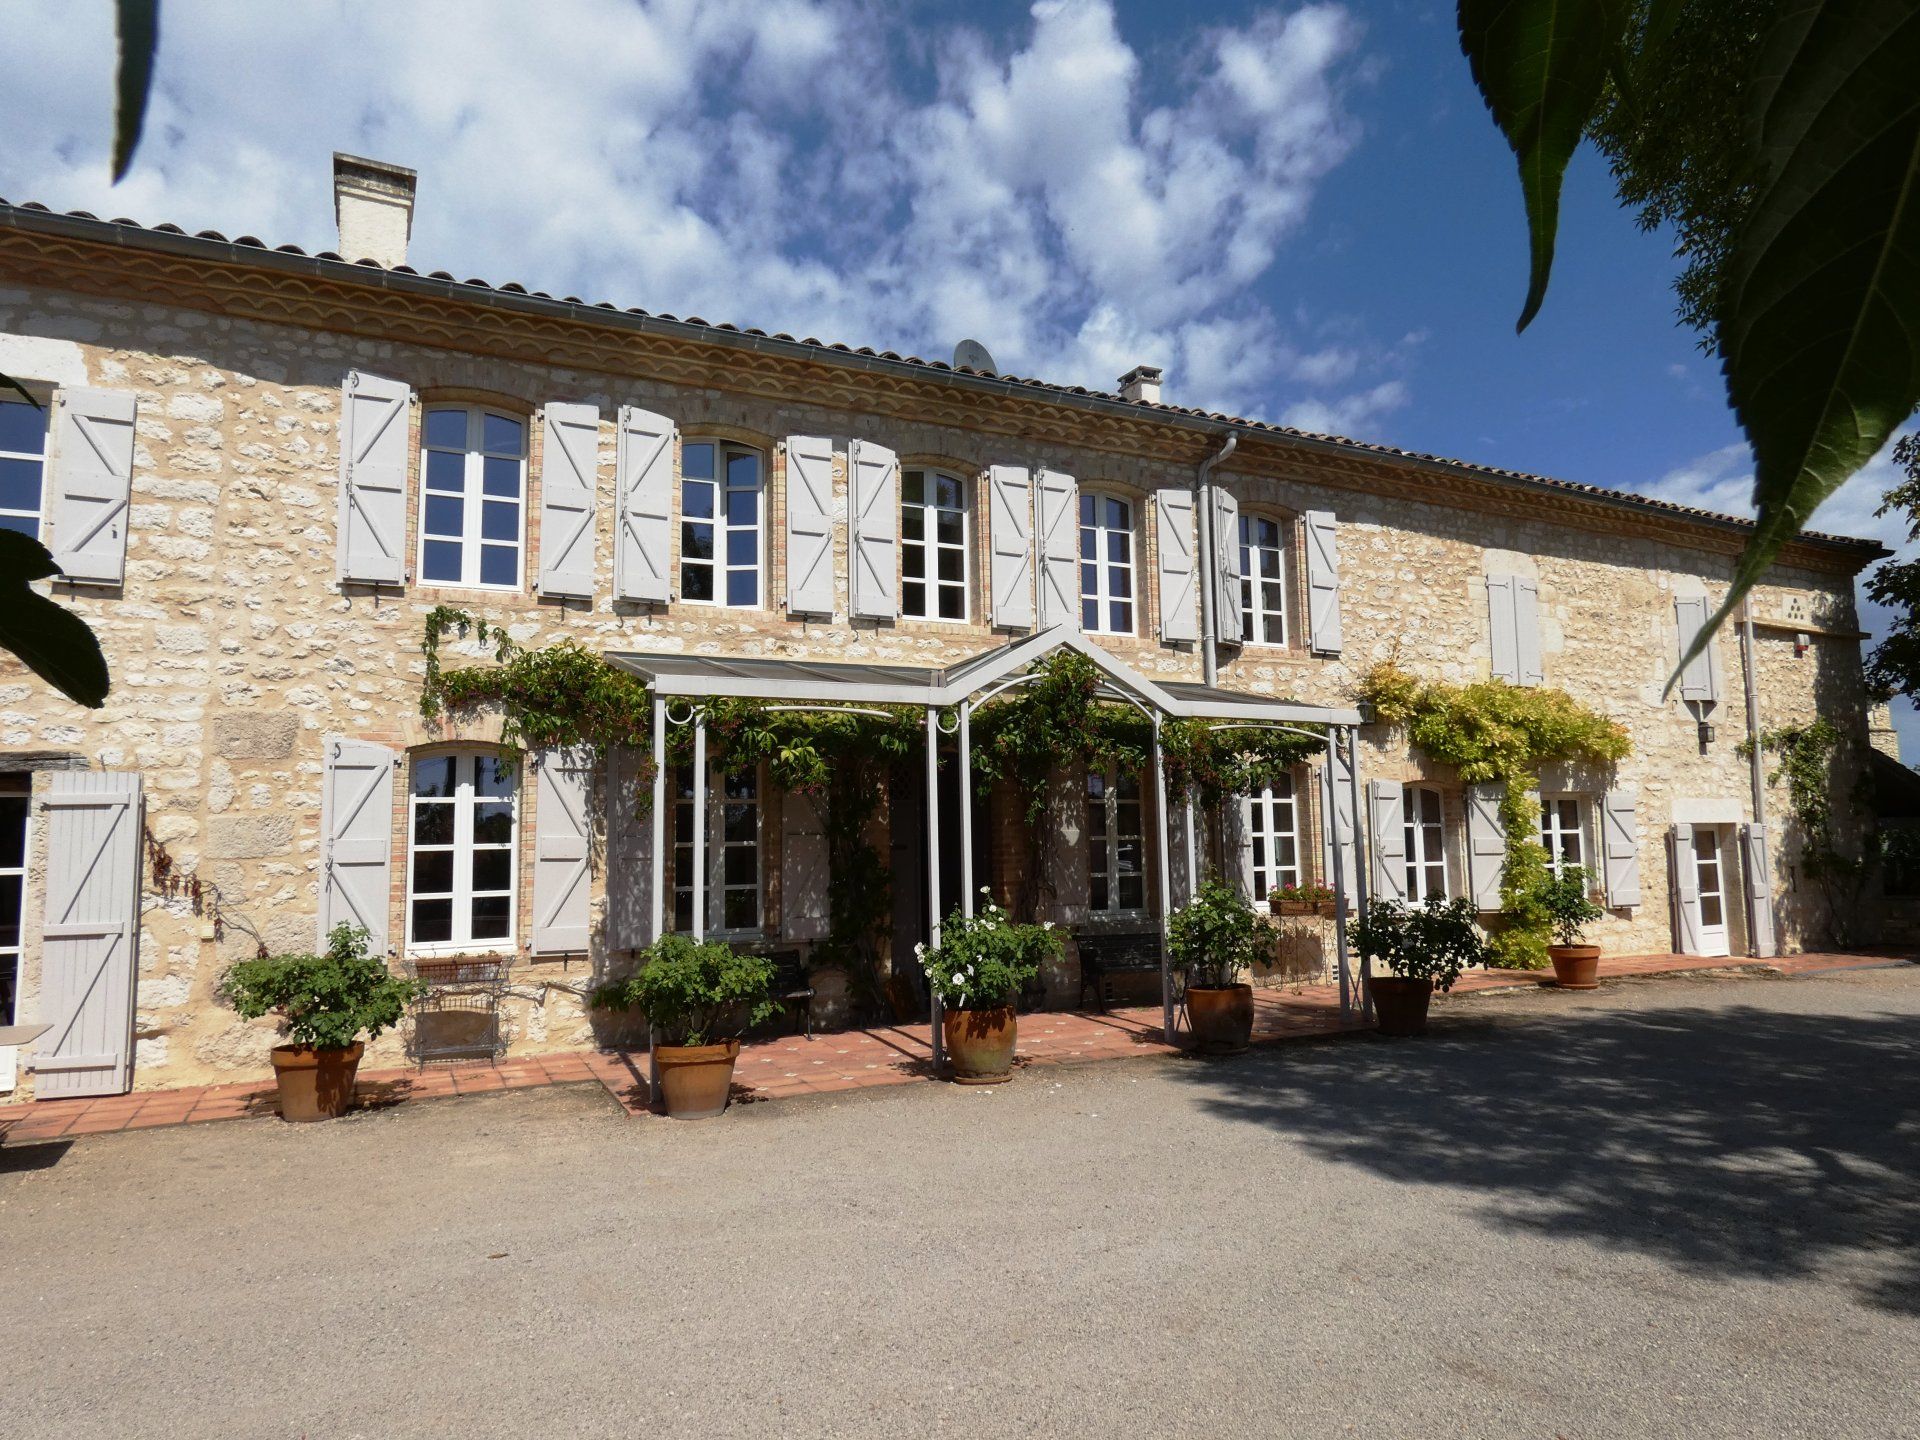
{"x":1675,"y":1208}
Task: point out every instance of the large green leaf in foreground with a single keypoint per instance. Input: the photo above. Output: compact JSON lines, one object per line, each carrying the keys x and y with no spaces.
{"x":53,"y":641}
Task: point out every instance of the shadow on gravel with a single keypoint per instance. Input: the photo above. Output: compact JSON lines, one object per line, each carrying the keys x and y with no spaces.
{"x":1736,"y":1141}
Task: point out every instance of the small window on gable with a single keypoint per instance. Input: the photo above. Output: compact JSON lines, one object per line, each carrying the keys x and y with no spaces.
{"x":23,"y":463}
{"x":933,"y":545}
{"x":473,"y":487}
{"x":722,"y":524}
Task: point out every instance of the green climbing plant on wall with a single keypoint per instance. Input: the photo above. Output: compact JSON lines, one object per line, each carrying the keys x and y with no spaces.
{"x":1496,"y":733}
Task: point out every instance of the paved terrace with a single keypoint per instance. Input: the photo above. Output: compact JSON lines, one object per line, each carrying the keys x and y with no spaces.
{"x":828,"y":1062}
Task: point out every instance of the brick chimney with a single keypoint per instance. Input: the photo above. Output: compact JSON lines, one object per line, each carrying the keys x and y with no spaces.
{"x":1141,"y":383}
{"x":373,"y":206}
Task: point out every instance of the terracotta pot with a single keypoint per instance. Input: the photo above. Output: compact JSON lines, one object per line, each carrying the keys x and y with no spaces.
{"x":1221,"y":1017}
{"x":315,"y":1084}
{"x":695,"y":1080}
{"x":980,"y":1044}
{"x":1400,"y":1004}
{"x":1575,"y":967}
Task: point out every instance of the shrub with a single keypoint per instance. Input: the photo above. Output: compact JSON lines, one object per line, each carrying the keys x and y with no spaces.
{"x":1212,"y":939}
{"x":697,"y":992}
{"x":1434,"y":941}
{"x":326,"y":1001}
{"x":984,"y":960}
{"x":1569,"y":905}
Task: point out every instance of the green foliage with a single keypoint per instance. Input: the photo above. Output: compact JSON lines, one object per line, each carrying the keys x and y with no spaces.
{"x":1432,"y":941}
{"x":327,"y":1001}
{"x":697,"y":992}
{"x":984,"y":960}
{"x":1219,"y":763}
{"x":1823,"y":816}
{"x":1214,"y":938}
{"x":1053,"y":721}
{"x":1568,"y":901}
{"x":54,"y":642}
{"x":1894,"y":666}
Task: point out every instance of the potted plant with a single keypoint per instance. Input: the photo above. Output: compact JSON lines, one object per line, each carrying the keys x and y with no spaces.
{"x":701,"y":995}
{"x":1209,"y":943}
{"x":978,"y":970}
{"x":1426,"y":946}
{"x":1568,"y":902}
{"x":325,"y":1003}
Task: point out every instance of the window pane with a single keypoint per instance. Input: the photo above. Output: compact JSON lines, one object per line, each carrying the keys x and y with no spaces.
{"x":432,"y":921}
{"x":1117,"y":518}
{"x":433,"y":871}
{"x":696,"y":541}
{"x":13,"y":831}
{"x":447,"y":428}
{"x":1089,"y":545}
{"x":445,"y":471}
{"x":1117,"y":546}
{"x":743,"y":587}
{"x":913,"y":597}
{"x":499,"y":565}
{"x":743,"y":547}
{"x":492,"y":869}
{"x":1119,"y":582}
{"x":1089,"y":614}
{"x":743,"y":508}
{"x":500,"y":436}
{"x":433,"y":775}
{"x":1098,"y":892}
{"x":950,"y":527}
{"x":953,"y":603}
{"x":947,"y":492}
{"x":1120,"y":617}
{"x":696,"y":582}
{"x":492,"y":775}
{"x":738,"y":823}
{"x":433,"y":824}
{"x":501,"y":477}
{"x":696,"y":501}
{"x":913,"y":562}
{"x":743,"y":910}
{"x":912,"y":483}
{"x":444,"y":515}
{"x":696,"y":461}
{"x":743,"y":471}
{"x":683,"y":910}
{"x":1133,"y":892}
{"x":1087,"y":509}
{"x":10,"y":914}
{"x":953,"y":565}
{"x":913,"y":524}
{"x":20,"y":484}
{"x":1270,"y":567}
{"x":741,"y":866}
{"x":500,"y":520}
{"x":490,"y":913}
{"x":492,"y":823}
{"x":22,"y":427}
{"x":441,"y":560}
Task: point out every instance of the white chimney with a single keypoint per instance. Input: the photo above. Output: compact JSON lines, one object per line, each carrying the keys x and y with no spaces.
{"x":373,"y":205}
{"x":1142,"y":383}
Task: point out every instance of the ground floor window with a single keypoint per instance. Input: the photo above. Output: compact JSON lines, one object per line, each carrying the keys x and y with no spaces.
{"x":1563,"y":832}
{"x":1273,"y":839}
{"x":733,"y":888}
{"x":1116,"y":844}
{"x":461,"y":868}
{"x":1426,"y":836}
{"x":14,"y":809}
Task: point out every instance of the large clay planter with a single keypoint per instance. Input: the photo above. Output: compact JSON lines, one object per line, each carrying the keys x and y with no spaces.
{"x":315,"y":1084}
{"x":1221,"y":1017}
{"x":1575,"y":967}
{"x":980,"y":1044}
{"x":1400,"y":1004}
{"x":695,"y":1080}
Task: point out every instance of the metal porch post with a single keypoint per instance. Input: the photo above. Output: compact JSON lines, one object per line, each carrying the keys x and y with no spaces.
{"x":934,"y":1009}
{"x":699,"y":877}
{"x":1166,"y":884}
{"x":657,"y":864}
{"x":1193,"y":852}
{"x":1360,"y":859}
{"x":967,"y":887}
{"x":1339,"y":877}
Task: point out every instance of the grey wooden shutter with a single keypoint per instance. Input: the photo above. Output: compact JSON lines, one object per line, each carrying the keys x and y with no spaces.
{"x":1323,"y":582}
{"x":569,"y":477}
{"x":1686,"y":891}
{"x":1486,"y":845}
{"x":92,"y":485}
{"x":1337,"y":825}
{"x":1010,"y":523}
{"x":1620,"y":848}
{"x":805,"y":878}
{"x":644,"y":449}
{"x":90,"y":944}
{"x":1226,"y":567}
{"x":1526,"y":631}
{"x":562,"y":835}
{"x":809,"y":525}
{"x":873,"y":483}
{"x":1057,"y":525}
{"x":1387,"y":838}
{"x":1238,"y":835}
{"x":1700,"y":680}
{"x":1759,"y":873}
{"x":1506,"y":648}
{"x":629,"y":850}
{"x":371,"y":545}
{"x":1173,"y":536}
{"x":356,"y":837}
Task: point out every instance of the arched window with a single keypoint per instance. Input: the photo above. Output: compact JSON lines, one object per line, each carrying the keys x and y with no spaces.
{"x":461,"y":857}
{"x":733,"y":862}
{"x":722,"y":523}
{"x":1426,"y":835}
{"x":1116,"y":843}
{"x":1273,"y":839}
{"x":1106,"y":564}
{"x":473,"y":479}
{"x":1263,"y":580}
{"x":933,"y":546}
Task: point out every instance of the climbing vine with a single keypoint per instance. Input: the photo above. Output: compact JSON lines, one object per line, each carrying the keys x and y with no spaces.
{"x":1821,"y":813}
{"x":1494,"y":732}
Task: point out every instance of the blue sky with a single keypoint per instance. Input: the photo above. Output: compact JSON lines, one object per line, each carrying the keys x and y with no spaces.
{"x":1300,"y":211}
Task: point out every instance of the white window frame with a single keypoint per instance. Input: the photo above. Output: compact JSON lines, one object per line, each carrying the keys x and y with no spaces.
{"x":462,"y":847}
{"x":473,"y":499}
{"x":39,"y":515}
{"x":717,"y":846}
{"x":1104,"y":862}
{"x":1426,"y":842}
{"x":1555,"y":829}
{"x":10,"y":955}
{"x":931,"y":546}
{"x":1102,"y":594}
{"x":1253,"y":581}
{"x":723,"y":527}
{"x":1264,"y":810}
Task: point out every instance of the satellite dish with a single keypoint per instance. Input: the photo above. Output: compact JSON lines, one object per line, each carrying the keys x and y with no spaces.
{"x":972,"y":355}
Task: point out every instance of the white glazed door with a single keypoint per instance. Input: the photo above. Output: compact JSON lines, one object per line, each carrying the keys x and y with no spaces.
{"x":1708,"y":864}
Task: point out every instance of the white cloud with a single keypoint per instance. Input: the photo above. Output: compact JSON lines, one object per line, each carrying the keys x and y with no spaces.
{"x":817,"y":166}
{"x":1354,"y":414}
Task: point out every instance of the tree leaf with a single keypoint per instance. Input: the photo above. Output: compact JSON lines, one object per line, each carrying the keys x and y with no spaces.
{"x":9,"y":383}
{"x":1821,"y":329}
{"x":1541,"y":66}
{"x":54,"y":642}
{"x":137,"y":31}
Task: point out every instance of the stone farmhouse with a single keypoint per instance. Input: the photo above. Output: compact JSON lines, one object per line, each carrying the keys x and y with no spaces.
{"x":261,"y":469}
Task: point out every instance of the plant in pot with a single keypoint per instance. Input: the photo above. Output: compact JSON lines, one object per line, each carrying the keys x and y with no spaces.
{"x":1309,"y":899}
{"x":701,"y":995}
{"x":1426,"y":946}
{"x":325,"y":1002}
{"x":978,"y":970}
{"x":1568,"y":901}
{"x":1210,"y":942}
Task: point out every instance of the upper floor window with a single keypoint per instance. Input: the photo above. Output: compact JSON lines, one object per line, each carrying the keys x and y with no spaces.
{"x":722,"y":523}
{"x":23,"y":458}
{"x":1116,"y":843}
{"x":933,"y":546}
{"x":1263,"y":580}
{"x":1426,"y":834}
{"x":1563,"y":832}
{"x":1106,"y":564}
{"x":1273,"y":839}
{"x":473,"y":467}
{"x":461,"y":868}
{"x":732,"y":822}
